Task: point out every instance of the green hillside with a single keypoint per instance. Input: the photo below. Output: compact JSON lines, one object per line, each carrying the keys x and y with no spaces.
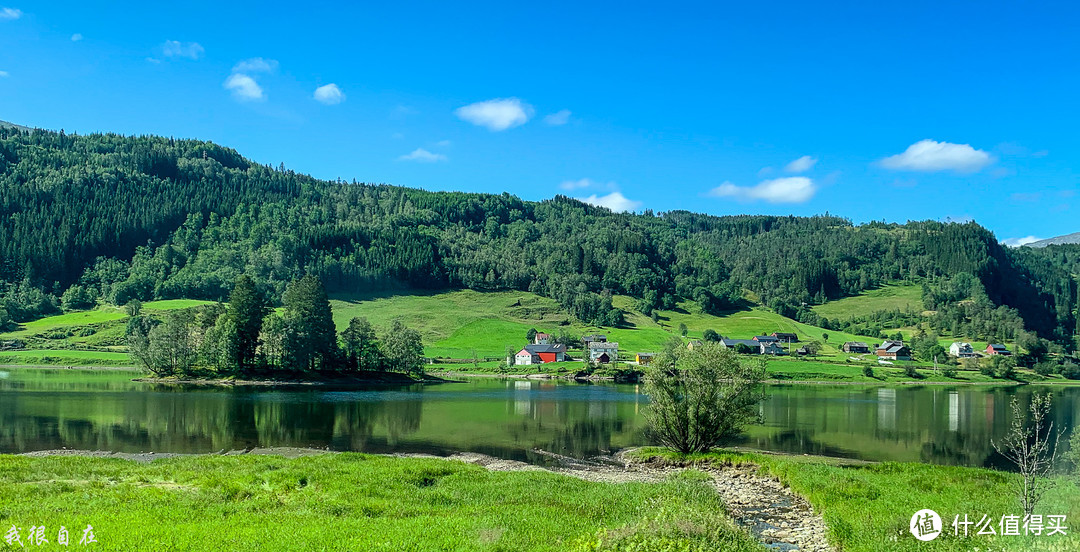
{"x":461,"y":324}
{"x":904,"y":297}
{"x":104,"y":219}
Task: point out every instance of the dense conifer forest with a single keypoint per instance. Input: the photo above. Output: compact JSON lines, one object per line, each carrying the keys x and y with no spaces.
{"x":113,"y":218}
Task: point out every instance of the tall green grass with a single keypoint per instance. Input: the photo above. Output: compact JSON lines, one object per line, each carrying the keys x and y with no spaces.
{"x":868,"y":507}
{"x":354,"y":502}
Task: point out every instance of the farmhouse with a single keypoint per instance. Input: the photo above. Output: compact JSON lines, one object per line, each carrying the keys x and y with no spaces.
{"x":644,"y":359}
{"x":893,"y":350}
{"x":766,"y":339}
{"x":541,"y":338}
{"x":593,"y":338}
{"x":961,"y":350}
{"x":603,"y":352}
{"x":856,"y":347}
{"x":525,"y":358}
{"x":540,"y":354}
{"x":785,"y":337}
{"x":997,"y":349}
{"x":693,"y":343}
{"x":754,"y":346}
{"x":772,"y":349}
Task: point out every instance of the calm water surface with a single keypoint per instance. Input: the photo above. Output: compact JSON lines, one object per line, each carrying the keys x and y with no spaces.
{"x":50,"y":409}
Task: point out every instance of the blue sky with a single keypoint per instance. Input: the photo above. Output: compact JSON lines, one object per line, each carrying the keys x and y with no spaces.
{"x":897,"y":111}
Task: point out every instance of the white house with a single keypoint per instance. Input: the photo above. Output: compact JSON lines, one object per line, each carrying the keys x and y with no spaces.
{"x":541,"y":338}
{"x":962,"y":350}
{"x":525,"y":357}
{"x":603,"y":351}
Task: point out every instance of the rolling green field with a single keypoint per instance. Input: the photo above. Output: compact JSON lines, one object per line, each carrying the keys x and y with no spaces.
{"x":457,"y":324}
{"x":463,"y":325}
{"x":903,"y":297}
{"x":355,"y":502}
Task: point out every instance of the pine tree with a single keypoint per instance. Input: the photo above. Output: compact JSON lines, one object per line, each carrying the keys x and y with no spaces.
{"x":359,"y":344}
{"x":310,"y":338}
{"x":247,"y":309}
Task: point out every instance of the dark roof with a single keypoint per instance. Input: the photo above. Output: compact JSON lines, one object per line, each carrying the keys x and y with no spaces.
{"x":998,"y":347}
{"x":594,"y":337}
{"x":765,"y":338}
{"x":892,"y":347}
{"x":856,"y":344}
{"x":733,"y":342}
{"x":784,"y":335}
{"x":537,"y":349}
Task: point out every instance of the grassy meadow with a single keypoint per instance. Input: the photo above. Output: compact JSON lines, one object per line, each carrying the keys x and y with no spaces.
{"x":867,"y":507}
{"x":903,"y":297}
{"x":354,"y":502}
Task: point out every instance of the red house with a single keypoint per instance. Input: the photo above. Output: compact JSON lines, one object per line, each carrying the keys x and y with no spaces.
{"x":997,"y":349}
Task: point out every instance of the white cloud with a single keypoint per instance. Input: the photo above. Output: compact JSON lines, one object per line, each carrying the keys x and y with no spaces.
{"x":614,"y":201}
{"x":3,"y":74}
{"x":76,"y":37}
{"x":791,"y":189}
{"x":153,"y":60}
{"x":443,"y":143}
{"x":928,"y":155}
{"x":585,"y":183}
{"x":422,"y":155}
{"x":558,"y":118}
{"x":329,"y":94}
{"x":10,"y":13}
{"x":1017,"y":242}
{"x":498,"y":114}
{"x":256,"y":65}
{"x":244,"y":88}
{"x":175,"y":48}
{"x":800,"y":165}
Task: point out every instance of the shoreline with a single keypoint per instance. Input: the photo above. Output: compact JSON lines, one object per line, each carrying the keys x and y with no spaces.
{"x":450,"y":376}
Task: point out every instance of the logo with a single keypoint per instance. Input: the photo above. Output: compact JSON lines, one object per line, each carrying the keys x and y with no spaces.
{"x":925,"y":525}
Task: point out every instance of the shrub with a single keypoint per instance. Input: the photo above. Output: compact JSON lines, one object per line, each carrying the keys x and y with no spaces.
{"x":949,"y":372}
{"x":1045,"y":368}
{"x":868,"y":371}
{"x":1071,"y":370}
{"x":911,"y":372}
{"x":705,"y":400}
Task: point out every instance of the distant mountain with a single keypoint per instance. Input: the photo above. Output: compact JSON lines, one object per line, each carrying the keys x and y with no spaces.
{"x":1060,"y":240}
{"x":5,"y":124}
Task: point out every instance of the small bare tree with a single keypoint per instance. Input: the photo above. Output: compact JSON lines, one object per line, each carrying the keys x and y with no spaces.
{"x":1032,"y":446}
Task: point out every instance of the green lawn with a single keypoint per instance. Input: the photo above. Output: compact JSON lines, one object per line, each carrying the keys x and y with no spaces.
{"x":888,"y":297}
{"x":354,"y":502}
{"x":868,"y":507}
{"x":65,"y":357}
{"x":174,"y":304}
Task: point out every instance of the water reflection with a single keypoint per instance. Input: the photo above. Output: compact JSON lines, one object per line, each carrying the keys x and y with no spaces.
{"x":507,"y":418}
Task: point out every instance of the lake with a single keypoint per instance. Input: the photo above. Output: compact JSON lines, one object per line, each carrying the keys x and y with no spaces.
{"x":105,"y":410}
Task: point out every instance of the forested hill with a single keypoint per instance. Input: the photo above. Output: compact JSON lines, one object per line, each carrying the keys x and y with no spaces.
{"x":108,"y":217}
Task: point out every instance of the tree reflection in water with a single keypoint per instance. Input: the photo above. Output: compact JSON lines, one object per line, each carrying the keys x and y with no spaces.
{"x":53,"y":409}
